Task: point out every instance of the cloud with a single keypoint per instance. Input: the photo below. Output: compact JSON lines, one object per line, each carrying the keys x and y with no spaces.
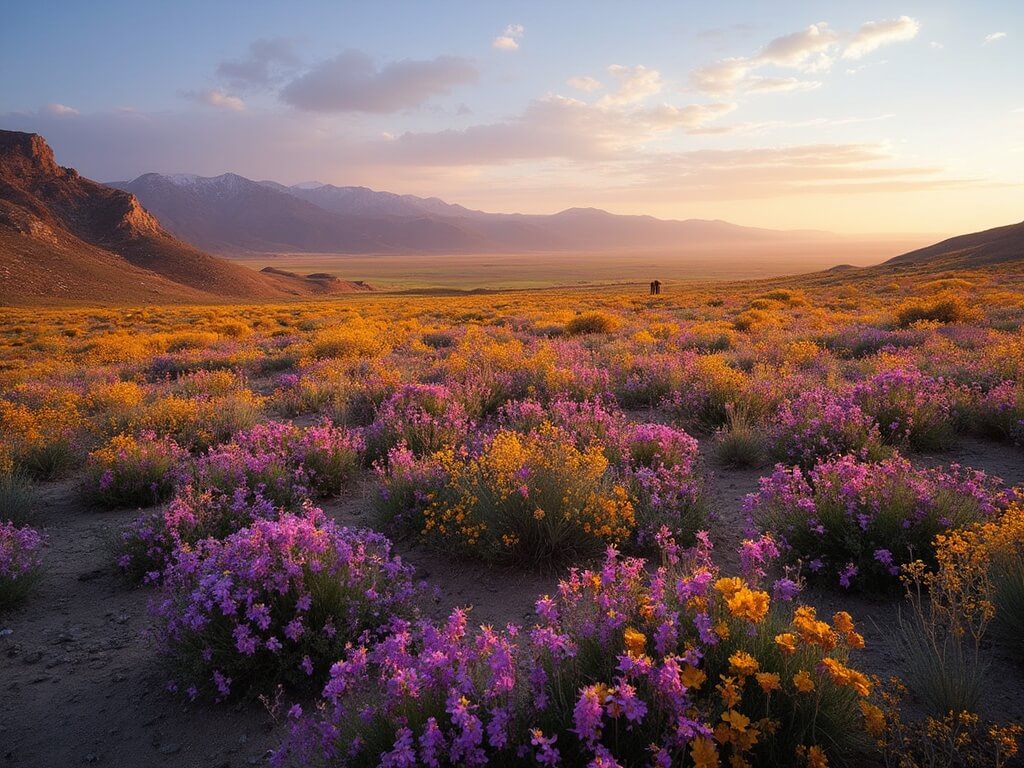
{"x":255,"y":69}
{"x":509,"y":39}
{"x":994,"y":37}
{"x":584,"y":83}
{"x":806,"y":50}
{"x":779,"y":84}
{"x":723,"y":77}
{"x":215,"y":97}
{"x":352,"y":82}
{"x":936,"y":46}
{"x":59,"y":110}
{"x":874,"y":34}
{"x":812,"y":49}
{"x":635,"y":84}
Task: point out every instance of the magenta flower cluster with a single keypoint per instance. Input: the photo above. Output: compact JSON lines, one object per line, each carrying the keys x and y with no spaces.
{"x":282,"y":462}
{"x":820,"y":423}
{"x":425,"y":417}
{"x":20,"y":562}
{"x":859,"y":521}
{"x":575,"y":688}
{"x":275,"y":603}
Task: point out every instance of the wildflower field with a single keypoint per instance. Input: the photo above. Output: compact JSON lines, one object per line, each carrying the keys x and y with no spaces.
{"x":752,"y":524}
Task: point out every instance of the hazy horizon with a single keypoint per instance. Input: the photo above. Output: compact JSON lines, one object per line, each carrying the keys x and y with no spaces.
{"x":814,"y":116}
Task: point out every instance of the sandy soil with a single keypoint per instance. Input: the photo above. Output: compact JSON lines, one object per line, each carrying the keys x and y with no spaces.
{"x":79,"y":683}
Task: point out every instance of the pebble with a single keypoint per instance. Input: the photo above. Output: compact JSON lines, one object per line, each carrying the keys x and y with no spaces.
{"x":170,"y":749}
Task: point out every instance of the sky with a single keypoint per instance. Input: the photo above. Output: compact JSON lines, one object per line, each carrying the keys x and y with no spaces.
{"x":868,"y":117}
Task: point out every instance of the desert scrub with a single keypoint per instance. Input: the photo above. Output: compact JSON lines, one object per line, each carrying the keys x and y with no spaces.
{"x":819,"y":424}
{"x":999,"y":412}
{"x":133,"y":471}
{"x":408,"y":484}
{"x":17,"y":498}
{"x":858,"y":522}
{"x":742,"y":442}
{"x":283,"y":463}
{"x":197,"y":423}
{"x":943,"y":309}
{"x":20,"y":563}
{"x":957,"y":738}
{"x":911,"y":409}
{"x":528,"y":498}
{"x":592,"y":322}
{"x":624,"y":666}
{"x":149,"y":544}
{"x":425,"y":417}
{"x":662,"y":469}
{"x":275,"y":604}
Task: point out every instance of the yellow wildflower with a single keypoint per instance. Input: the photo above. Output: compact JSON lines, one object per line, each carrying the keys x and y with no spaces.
{"x":803,"y":682}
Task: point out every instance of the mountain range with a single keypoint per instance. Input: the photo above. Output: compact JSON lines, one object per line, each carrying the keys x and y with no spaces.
{"x":231,"y":214}
{"x":64,"y":236}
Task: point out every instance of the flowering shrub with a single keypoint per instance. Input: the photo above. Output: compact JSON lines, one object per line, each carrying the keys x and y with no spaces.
{"x":283,"y":463}
{"x":592,"y":322}
{"x":426,"y":417}
{"x":528,"y":498}
{"x":275,"y":603}
{"x":1000,"y":412}
{"x":16,"y":495}
{"x":133,"y":471}
{"x":148,"y":545}
{"x":910,"y":408}
{"x":818,"y":424}
{"x":981,"y":569}
{"x":20,"y":563}
{"x":662,"y":468}
{"x":858,"y":521}
{"x":198,"y":422}
{"x":588,"y":421}
{"x":623,"y":667}
{"x":407,"y":486}
{"x":960,"y":738}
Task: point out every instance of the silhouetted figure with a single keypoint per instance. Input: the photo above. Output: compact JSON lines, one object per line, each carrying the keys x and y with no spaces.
{"x":655,"y":287}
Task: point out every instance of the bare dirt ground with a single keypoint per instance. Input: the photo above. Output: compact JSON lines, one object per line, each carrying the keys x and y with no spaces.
{"x":79,"y":683}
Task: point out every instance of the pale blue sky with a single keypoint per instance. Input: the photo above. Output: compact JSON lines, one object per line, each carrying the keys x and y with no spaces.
{"x":871,"y":116}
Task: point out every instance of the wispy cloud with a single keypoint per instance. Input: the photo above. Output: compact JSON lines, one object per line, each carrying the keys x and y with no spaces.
{"x":994,"y":37}
{"x":352,"y":82}
{"x":215,"y":97}
{"x":584,"y":83}
{"x":59,"y":110}
{"x":811,"y":50}
{"x":634,"y":85}
{"x":874,"y":34}
{"x":509,"y":39}
{"x":258,"y":68}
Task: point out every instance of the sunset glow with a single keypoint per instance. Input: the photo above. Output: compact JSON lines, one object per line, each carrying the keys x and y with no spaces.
{"x":865,"y":118}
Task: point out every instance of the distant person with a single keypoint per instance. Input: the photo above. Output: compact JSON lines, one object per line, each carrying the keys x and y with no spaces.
{"x":655,"y":287}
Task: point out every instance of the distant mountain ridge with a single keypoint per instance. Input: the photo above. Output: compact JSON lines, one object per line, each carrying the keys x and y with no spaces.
{"x":991,"y":246}
{"x":230,"y":214}
{"x":64,"y":236}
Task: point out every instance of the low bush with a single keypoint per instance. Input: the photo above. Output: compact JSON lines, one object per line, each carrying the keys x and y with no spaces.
{"x":592,"y":322}
{"x":275,"y":604}
{"x":911,"y":409}
{"x":819,"y":424}
{"x":425,"y":417}
{"x":20,"y":563}
{"x":661,"y":465}
{"x":943,"y":309}
{"x":858,"y":522}
{"x":527,"y":499}
{"x":623,"y":667}
{"x":133,"y":471}
{"x":17,"y":498}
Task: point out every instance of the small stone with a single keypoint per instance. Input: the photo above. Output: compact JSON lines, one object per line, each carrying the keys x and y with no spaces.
{"x":170,"y":749}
